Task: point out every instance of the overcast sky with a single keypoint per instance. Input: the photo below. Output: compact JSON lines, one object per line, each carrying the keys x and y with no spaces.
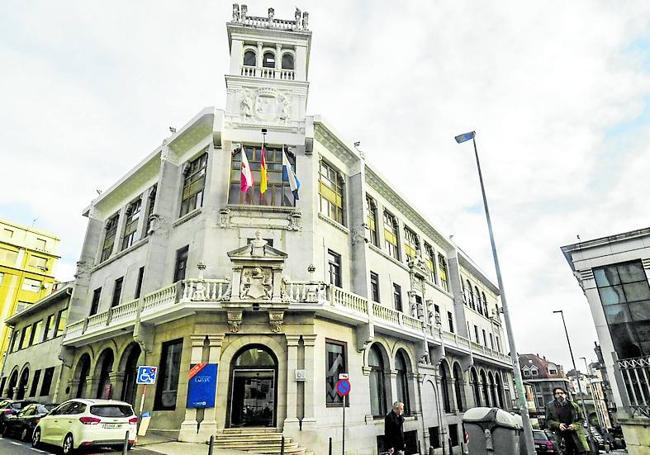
{"x":557,"y":91}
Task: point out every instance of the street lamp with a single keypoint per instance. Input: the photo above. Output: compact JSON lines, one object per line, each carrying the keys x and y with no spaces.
{"x":573,"y":361}
{"x":519,"y":384}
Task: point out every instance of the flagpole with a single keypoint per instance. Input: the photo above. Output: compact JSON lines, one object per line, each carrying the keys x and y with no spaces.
{"x":525,"y":418}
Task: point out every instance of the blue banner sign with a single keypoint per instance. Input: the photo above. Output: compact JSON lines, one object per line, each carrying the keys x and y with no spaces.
{"x":202,"y":385}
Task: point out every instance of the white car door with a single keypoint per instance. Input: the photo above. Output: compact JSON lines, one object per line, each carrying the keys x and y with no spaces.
{"x":49,"y":423}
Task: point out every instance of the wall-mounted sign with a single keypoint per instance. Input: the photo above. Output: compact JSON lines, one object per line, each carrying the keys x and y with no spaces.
{"x":202,"y":385}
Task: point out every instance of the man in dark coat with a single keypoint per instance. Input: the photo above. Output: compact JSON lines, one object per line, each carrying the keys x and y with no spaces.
{"x":565,"y":419}
{"x":394,"y":429}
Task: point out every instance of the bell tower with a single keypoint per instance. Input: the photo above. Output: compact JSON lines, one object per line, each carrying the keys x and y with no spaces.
{"x":267,"y":81}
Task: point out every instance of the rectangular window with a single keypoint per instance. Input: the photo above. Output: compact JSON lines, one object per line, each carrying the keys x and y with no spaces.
{"x":625,"y":297}
{"x":15,"y":341}
{"x":94,"y":306}
{"x":278,"y":192}
{"x":397,"y":297}
{"x":411,"y":243}
{"x":109,"y":237}
{"x":335,"y":364}
{"x":26,"y":337}
{"x":491,"y":342}
{"x":117,"y":292}
{"x":498,"y":344}
{"x":371,"y":221}
{"x":47,"y":381}
{"x":181,"y":263}
{"x":8,"y":233}
{"x":61,"y":320}
{"x":194,"y":174}
{"x":34,"y":388}
{"x":450,"y":320}
{"x":434,"y":437}
{"x":476,"y":334}
{"x":37,"y":332}
{"x":453,"y":435}
{"x":374,"y":286}
{"x":334,"y":265}
{"x":8,"y":257}
{"x":49,"y":328}
{"x":22,"y":306}
{"x":133,"y":212}
{"x":32,"y":285}
{"x":138,"y":284}
{"x":437,"y":317}
{"x":442,"y":271}
{"x":484,"y":339}
{"x":331,"y":191}
{"x":391,"y":235}
{"x":41,"y":244}
{"x":151,"y":202}
{"x":167,"y":383}
{"x":38,"y":262}
{"x":430,"y":260}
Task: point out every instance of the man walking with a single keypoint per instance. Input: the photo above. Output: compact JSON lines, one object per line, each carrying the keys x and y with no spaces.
{"x":564,"y":418}
{"x":394,"y":429}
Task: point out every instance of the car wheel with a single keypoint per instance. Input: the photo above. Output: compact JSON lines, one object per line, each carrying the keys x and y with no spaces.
{"x":36,"y":438}
{"x":68,"y":445}
{"x":24,"y":435}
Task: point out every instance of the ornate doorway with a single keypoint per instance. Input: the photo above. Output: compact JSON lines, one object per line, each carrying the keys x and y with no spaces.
{"x":253,"y":388}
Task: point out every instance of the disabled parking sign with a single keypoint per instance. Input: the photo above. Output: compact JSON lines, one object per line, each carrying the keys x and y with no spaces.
{"x":146,"y":375}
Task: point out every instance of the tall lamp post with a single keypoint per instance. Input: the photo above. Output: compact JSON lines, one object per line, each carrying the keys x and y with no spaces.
{"x":519,"y":384}
{"x":573,"y":361}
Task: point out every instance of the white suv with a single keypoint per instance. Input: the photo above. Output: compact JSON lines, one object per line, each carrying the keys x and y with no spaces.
{"x":82,"y":423}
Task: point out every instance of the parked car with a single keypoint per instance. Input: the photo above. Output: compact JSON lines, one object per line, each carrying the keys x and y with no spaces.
{"x":84,"y":423}
{"x":23,"y":423}
{"x":11,"y":407}
{"x":545,"y":443}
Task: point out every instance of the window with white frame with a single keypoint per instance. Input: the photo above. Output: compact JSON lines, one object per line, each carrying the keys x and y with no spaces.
{"x":331,"y":191}
{"x":411,"y":243}
{"x":109,"y":237}
{"x":194,"y":174}
{"x":391,"y":235}
{"x":131,"y":223}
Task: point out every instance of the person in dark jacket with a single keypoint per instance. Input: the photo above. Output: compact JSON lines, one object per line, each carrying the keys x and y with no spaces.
{"x":394,"y":429}
{"x":565,"y":419}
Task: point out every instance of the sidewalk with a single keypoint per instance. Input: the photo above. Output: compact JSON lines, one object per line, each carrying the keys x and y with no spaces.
{"x":169,"y":445}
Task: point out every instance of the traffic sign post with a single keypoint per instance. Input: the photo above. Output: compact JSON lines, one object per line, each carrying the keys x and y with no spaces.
{"x":343,"y":390}
{"x":146,"y":376}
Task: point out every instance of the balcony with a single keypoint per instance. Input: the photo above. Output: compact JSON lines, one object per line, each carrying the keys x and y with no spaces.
{"x":268,"y":73}
{"x":634,"y":373}
{"x":195,"y":295}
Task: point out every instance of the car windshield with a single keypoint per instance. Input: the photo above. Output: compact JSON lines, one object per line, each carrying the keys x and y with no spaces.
{"x":111,"y":410}
{"x":18,"y":404}
{"x":46,"y":408}
{"x":540,"y":435}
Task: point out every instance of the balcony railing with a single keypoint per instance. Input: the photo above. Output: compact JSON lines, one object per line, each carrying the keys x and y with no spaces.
{"x":268,"y":73}
{"x":635,"y":373}
{"x":311,"y":295}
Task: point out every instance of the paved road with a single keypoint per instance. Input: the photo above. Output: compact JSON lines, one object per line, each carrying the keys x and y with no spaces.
{"x":12,"y":446}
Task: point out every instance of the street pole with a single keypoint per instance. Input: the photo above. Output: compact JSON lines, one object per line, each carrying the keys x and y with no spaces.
{"x":573,"y":361}
{"x":519,"y":384}
{"x":591,"y":392}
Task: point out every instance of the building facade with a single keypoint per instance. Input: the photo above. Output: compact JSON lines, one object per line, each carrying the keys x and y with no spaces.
{"x":27,"y":260}
{"x":543,"y":376}
{"x":32,"y":367}
{"x":613,"y":274}
{"x":283,"y":289}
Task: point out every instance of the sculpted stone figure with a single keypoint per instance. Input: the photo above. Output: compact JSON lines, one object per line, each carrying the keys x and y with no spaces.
{"x":246,"y":104}
{"x":235,"y":12}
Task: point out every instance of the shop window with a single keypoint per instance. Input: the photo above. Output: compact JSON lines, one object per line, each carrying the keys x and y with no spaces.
{"x":167,"y":382}
{"x":335,"y":364}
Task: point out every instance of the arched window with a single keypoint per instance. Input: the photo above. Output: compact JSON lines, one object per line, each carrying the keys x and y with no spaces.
{"x":485,"y":308}
{"x":377,"y":385}
{"x":81,"y":375}
{"x":102,"y":371}
{"x":493,"y":396}
{"x":470,"y":295}
{"x":475,"y":388}
{"x":269,"y":60}
{"x":402,"y":382}
{"x":478,"y":300}
{"x":444,"y":387}
{"x":287,"y":61}
{"x":250,"y":59}
{"x":499,"y":387}
{"x":459,"y":387}
{"x":486,"y":396}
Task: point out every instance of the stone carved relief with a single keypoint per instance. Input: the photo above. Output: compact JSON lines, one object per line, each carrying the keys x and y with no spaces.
{"x":256,"y":283}
{"x":234,"y":320}
{"x":264,"y":104}
{"x":276,"y":319}
{"x":294,"y":222}
{"x":224,"y":218}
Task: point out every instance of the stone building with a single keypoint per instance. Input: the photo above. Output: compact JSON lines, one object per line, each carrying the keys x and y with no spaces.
{"x":283,"y":290}
{"x":543,"y":376}
{"x":612,"y":272}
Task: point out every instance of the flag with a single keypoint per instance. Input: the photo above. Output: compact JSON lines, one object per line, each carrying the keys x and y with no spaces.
{"x":289,"y":176}
{"x":246,"y":174}
{"x":263,"y":176}
{"x":465,"y":137}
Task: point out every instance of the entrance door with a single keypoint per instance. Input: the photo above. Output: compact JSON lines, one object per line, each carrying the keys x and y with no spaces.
{"x":253,"y":398}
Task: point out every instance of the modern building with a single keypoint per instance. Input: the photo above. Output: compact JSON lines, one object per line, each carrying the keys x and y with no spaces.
{"x":32,"y":366}
{"x":613,"y":274}
{"x":543,"y":376}
{"x":283,"y":290}
{"x":27,"y":260}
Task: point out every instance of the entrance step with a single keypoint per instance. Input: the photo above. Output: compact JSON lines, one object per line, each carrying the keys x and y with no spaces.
{"x":257,"y":440}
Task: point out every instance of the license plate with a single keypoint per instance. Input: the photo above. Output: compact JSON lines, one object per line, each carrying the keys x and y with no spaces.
{"x":112,"y":426}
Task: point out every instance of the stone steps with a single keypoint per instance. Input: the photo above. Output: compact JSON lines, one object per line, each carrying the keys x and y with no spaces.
{"x":262,"y":441}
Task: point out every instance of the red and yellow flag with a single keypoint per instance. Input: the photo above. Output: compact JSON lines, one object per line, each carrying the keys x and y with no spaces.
{"x":263,"y":177}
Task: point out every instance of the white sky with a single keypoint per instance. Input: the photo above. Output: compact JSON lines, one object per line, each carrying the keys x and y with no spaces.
{"x":556,"y":90}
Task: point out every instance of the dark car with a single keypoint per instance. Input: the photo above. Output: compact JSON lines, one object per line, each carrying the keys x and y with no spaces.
{"x":23,"y":423}
{"x":544,"y":443}
{"x":11,"y":407}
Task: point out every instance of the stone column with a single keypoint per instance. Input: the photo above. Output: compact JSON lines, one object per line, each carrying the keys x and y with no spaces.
{"x":309,"y":418}
{"x":117,"y":384}
{"x":260,"y":59}
{"x":292,"y":386}
{"x":209,"y":424}
{"x":188,"y":431}
{"x":92,"y":387}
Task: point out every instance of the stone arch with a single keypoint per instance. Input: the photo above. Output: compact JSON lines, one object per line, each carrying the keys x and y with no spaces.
{"x":268,"y":58}
{"x":102,"y":372}
{"x":378,"y":366}
{"x":444,"y":372}
{"x":493,"y":397}
{"x":499,"y":389}
{"x":410,"y":355}
{"x":23,"y":380}
{"x":476,"y":386}
{"x":13,"y":382}
{"x":80,"y":375}
{"x":459,"y":387}
{"x":128,"y":366}
{"x":485,"y":396}
{"x":404,"y":380}
{"x":288,"y":60}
